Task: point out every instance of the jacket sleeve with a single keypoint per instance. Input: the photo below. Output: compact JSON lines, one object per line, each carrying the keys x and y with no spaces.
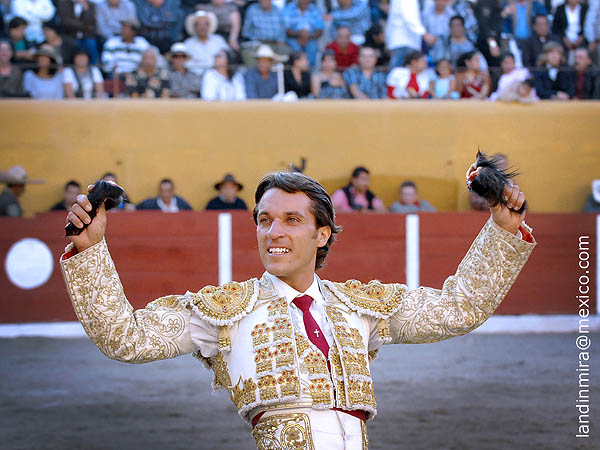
{"x":161,"y":330}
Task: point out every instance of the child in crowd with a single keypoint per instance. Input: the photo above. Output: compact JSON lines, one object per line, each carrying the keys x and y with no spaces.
{"x":444,"y":84}
{"x":472,"y":82}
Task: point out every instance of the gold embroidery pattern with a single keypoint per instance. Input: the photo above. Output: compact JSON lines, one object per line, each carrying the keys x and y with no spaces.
{"x":219,"y":367}
{"x":373,"y":355}
{"x":267,"y":387}
{"x":282,"y":330}
{"x":260,"y":335}
{"x":365,"y":435}
{"x":243,"y":393}
{"x":356,"y":364}
{"x":158,"y":331}
{"x":289,"y":384}
{"x":224,"y":338}
{"x":316,"y":364}
{"x":375,"y":298}
{"x":284,"y":355}
{"x":301,"y":344}
{"x":263,"y":360}
{"x":278,"y":308}
{"x":361,"y":393}
{"x":283,"y":432}
{"x":320,"y":391}
{"x":383,"y":331}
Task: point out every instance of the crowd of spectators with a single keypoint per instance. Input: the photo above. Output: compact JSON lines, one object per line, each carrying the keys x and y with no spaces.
{"x":511,"y":50}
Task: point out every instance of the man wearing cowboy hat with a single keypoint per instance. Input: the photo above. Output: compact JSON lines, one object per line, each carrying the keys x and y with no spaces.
{"x":261,"y":82}
{"x":227,"y":199}
{"x":123,"y":54}
{"x":184,"y":84}
{"x":15,"y":179}
{"x":203,"y":44}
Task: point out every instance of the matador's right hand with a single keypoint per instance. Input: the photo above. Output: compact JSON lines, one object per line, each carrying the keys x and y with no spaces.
{"x":78,"y":215}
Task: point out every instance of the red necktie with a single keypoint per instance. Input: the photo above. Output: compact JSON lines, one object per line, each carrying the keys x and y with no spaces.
{"x":314,"y":332}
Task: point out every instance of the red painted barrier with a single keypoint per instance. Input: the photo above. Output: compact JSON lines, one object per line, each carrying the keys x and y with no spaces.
{"x":158,"y":254}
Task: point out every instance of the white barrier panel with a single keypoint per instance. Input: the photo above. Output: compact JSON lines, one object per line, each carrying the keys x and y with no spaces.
{"x":412,"y":251}
{"x":225,"y":258}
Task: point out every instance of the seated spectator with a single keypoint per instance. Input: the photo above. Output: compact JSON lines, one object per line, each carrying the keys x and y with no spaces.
{"x":443,"y":86}
{"x":184,"y":84}
{"x":471,"y":81}
{"x":148,"y":81}
{"x":126,"y":203}
{"x":223,"y":83}
{"x":110,"y":14}
{"x":72,"y":190}
{"x":227,"y":199}
{"x":458,"y":44}
{"x":123,"y":54}
{"x":35,"y":12}
{"x":514,"y":84}
{"x":303,"y":27}
{"x":569,"y":24}
{"x":22,"y":49}
{"x":297,"y":78}
{"x":64,"y":46}
{"x":229,"y":21}
{"x":346,"y":51}
{"x":593,"y":202}
{"x":356,"y":196}
{"x":364,"y":81}
{"x":553,"y":80}
{"x":375,"y":38}
{"x":328,"y":83}
{"x":78,"y":20}
{"x":83,"y":80}
{"x":587,"y":77}
{"x":161,"y":22}
{"x":356,"y":16}
{"x":261,"y":82}
{"x":518,"y":16}
{"x":203,"y":44}
{"x":166,"y":201}
{"x":11,"y":76}
{"x":409,"y":202}
{"x":15,"y":179}
{"x":44,"y":82}
{"x":263,"y":23}
{"x":412,"y":81}
{"x":531,"y":48}
{"x":436,"y":20}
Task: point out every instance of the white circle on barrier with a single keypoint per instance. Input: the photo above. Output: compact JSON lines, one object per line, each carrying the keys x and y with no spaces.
{"x":29,"y":263}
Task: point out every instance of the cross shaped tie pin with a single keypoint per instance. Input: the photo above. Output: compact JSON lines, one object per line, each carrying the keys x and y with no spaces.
{"x":316,"y":332}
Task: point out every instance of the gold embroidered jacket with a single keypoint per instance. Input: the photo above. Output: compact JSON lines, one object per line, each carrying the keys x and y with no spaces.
{"x":261,"y":360}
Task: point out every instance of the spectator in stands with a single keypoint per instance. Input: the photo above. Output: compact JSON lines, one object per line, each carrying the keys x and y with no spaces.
{"x":203,"y":44}
{"x":375,"y":38}
{"x":83,"y":80}
{"x":356,"y":196}
{"x":123,"y":54}
{"x":297,"y":78}
{"x":489,"y":23}
{"x":592,"y":29}
{"x":568,"y":24}
{"x":223,"y":83}
{"x":443,"y":86}
{"x":227,"y":199}
{"x":111,"y":13}
{"x":553,"y":80}
{"x":531,"y":48}
{"x":44,"y":82}
{"x":436,"y":20}
{"x":355,"y":15}
{"x":229,"y":21}
{"x":471,"y":81}
{"x":35,"y":12}
{"x":464,"y":9}
{"x":592,"y":204}
{"x":161,"y":22}
{"x":263,"y":23}
{"x":64,"y":46}
{"x":364,"y":81}
{"x":587,"y":77}
{"x":409,"y":202}
{"x":72,"y":190}
{"x":166,"y":201}
{"x":404,"y":30}
{"x":328,"y":83}
{"x":412,"y":81}
{"x":148,"y":81}
{"x":346,"y":51}
{"x":184,"y":84}
{"x":458,"y":44}
{"x":514,"y":84}
{"x":78,"y":20}
{"x":261,"y":82}
{"x":15,"y":179}
{"x":11,"y":76}
{"x":303,"y":27}
{"x":126,"y":203}
{"x":23,"y":50}
{"x":518,"y":16}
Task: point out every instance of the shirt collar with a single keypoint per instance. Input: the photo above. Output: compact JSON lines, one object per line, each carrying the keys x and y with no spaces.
{"x":284,"y":290}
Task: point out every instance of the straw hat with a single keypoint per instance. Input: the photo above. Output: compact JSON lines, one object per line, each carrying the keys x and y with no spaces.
{"x":264,"y":51}
{"x":190,"y":21}
{"x":48,"y":50}
{"x":17,"y":175}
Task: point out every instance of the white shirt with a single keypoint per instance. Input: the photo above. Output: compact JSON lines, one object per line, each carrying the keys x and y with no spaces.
{"x":399,"y":77}
{"x":88,"y":80}
{"x":217,"y":87}
{"x":508,"y":79}
{"x":170,"y":208}
{"x":404,"y":27}
{"x":35,"y":12}
{"x":572,"y":32}
{"x":203,"y":53}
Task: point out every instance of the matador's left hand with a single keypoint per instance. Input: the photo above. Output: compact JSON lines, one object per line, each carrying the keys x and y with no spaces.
{"x":506,"y":215}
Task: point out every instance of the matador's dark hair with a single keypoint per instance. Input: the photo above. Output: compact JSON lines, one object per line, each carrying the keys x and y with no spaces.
{"x":321,"y":204}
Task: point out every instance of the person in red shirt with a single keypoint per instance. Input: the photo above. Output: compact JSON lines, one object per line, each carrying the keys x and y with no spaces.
{"x":346,"y":52}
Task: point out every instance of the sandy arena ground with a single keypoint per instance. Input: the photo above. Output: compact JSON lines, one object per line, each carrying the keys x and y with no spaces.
{"x":474,"y":392}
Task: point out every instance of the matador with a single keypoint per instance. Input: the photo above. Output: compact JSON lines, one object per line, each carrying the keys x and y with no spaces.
{"x":292,"y":350}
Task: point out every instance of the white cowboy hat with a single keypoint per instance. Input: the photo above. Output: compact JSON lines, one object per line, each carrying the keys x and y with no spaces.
{"x":191,"y":20}
{"x":179,"y":48}
{"x":17,"y":175}
{"x":264,"y":51}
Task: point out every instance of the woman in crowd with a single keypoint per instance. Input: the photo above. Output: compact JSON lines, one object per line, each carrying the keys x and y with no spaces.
{"x":553,"y":80}
{"x":412,"y":81}
{"x":222,"y":82}
{"x":297,"y":78}
{"x":184,"y":84}
{"x":83,"y":80}
{"x":148,"y":81}
{"x":44,"y":82}
{"x":471,"y":81}
{"x":328,"y":83}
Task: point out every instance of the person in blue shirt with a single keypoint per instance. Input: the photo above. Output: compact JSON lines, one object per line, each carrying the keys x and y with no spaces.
{"x":303,"y":27}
